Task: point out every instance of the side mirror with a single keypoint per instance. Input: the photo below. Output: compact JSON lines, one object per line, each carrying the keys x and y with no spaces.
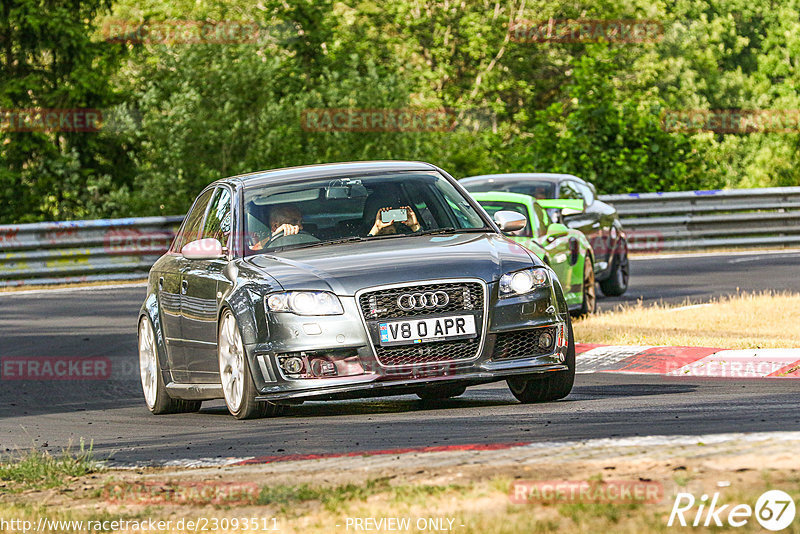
{"x":557,"y":230}
{"x":203,"y":249}
{"x":510,"y":221}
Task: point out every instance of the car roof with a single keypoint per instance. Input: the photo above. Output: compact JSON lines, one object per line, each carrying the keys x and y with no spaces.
{"x":522,"y":176}
{"x":325,"y":170}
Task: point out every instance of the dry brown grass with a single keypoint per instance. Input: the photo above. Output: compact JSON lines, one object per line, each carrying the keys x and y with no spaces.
{"x":744,"y":321}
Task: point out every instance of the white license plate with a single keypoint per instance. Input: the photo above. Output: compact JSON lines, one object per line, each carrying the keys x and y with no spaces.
{"x":424,"y":330}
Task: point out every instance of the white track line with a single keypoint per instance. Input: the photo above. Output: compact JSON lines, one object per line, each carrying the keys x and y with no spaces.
{"x":565,"y":450}
{"x":690,"y":307}
{"x":676,"y":255}
{"x":70,"y":289}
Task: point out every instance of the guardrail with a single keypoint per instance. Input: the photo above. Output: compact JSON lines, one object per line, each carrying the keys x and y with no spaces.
{"x":124,"y":249}
{"x":696,"y":220}
{"x":83,"y":251}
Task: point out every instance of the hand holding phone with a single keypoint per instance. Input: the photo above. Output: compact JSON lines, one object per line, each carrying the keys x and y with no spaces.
{"x":394,"y":215}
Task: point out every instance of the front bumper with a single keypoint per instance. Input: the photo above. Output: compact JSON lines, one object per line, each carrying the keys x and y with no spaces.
{"x":348,"y":334}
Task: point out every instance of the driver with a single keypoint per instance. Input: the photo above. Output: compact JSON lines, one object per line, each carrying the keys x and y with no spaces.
{"x":285,"y":219}
{"x":540,"y":192}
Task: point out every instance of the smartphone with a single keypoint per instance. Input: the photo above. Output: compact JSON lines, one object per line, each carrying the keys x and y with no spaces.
{"x":399,"y":215}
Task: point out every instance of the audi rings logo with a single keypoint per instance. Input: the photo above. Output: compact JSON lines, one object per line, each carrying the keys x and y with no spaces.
{"x":423,"y":301}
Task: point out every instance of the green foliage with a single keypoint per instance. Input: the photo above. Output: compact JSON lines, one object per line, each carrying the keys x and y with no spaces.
{"x":609,"y":140}
{"x":182,"y":115}
{"x":49,"y":61}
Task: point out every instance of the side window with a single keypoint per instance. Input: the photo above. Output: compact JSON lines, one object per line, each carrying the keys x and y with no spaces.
{"x":569,"y":190}
{"x":218,"y":221}
{"x":190,"y":230}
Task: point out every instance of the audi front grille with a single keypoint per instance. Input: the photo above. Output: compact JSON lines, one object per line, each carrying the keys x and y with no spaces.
{"x":418,"y":301}
{"x":383,"y":304}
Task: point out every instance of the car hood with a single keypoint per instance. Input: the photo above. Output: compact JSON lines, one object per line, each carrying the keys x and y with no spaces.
{"x":347,"y":267}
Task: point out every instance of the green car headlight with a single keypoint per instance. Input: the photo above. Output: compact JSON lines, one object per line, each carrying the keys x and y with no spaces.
{"x":524,"y":281}
{"x":305,"y":303}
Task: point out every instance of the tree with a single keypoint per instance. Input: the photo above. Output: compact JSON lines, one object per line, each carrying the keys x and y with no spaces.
{"x":48,"y":61}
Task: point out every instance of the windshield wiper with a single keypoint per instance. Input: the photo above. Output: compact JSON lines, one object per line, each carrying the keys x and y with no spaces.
{"x":451,"y":230}
{"x":330,"y":242}
{"x":351,"y":239}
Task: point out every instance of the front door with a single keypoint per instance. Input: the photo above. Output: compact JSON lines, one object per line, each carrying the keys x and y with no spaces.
{"x":203,"y":283}
{"x":169,"y":297}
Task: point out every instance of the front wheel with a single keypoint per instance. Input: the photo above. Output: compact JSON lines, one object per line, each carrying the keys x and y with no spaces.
{"x":238,"y":387}
{"x":616,"y":284}
{"x":550,"y":386}
{"x":155,"y":392}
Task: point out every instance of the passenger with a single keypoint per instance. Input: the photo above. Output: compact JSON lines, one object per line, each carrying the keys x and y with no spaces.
{"x":395,"y":227}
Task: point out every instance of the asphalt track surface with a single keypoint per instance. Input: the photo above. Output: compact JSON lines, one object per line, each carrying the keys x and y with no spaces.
{"x":111,"y":413}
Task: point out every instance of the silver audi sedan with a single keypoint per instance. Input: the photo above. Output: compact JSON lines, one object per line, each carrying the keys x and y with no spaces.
{"x":348,"y":280}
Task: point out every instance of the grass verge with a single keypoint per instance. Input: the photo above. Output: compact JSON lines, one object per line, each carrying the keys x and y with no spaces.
{"x":473,"y":507}
{"x":35,"y":469}
{"x":743,"y":321}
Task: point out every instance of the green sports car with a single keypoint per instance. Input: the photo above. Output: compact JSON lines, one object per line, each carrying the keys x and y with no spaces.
{"x":565,"y":250}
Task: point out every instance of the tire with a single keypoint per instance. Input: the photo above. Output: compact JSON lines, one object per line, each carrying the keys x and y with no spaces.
{"x":616,"y":284}
{"x":156,"y":397}
{"x":589,"y":303}
{"x":550,"y":386}
{"x":238,"y":387}
{"x":441,"y":392}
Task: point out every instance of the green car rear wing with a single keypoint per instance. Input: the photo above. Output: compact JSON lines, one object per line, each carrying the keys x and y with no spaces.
{"x":561,"y":203}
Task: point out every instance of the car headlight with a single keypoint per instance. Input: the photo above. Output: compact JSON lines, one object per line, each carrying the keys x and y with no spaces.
{"x":524,"y":281}
{"x":305,"y":303}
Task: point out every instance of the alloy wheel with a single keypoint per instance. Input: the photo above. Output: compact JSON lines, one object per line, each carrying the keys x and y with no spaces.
{"x":148,"y":366}
{"x":231,"y":362}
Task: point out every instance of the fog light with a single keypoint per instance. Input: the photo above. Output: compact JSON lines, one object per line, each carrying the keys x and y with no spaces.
{"x":293,"y":366}
{"x":545,"y":340}
{"x":320,"y":367}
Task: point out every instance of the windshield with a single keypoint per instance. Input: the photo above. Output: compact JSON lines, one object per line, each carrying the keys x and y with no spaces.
{"x":321,"y":211}
{"x":532,"y":188}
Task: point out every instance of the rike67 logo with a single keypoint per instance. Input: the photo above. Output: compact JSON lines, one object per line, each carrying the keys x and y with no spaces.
{"x":774,"y":510}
